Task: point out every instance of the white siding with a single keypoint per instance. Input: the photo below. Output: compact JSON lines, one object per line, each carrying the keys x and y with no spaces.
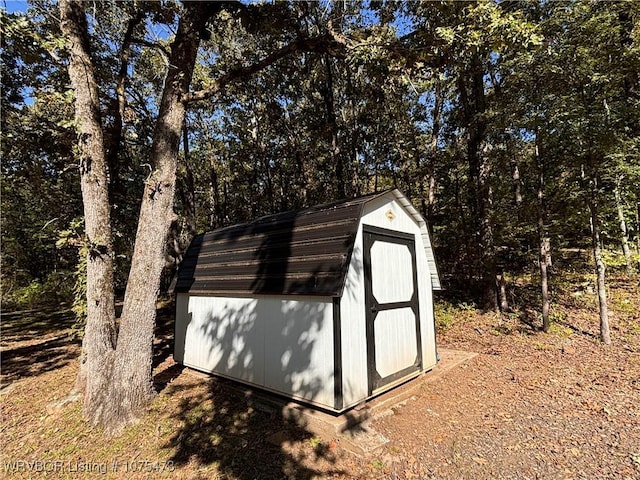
{"x":383,"y":212}
{"x":299,"y":350}
{"x":354,"y":333}
{"x":281,"y":345}
{"x":377,"y":214}
{"x":426,"y":241}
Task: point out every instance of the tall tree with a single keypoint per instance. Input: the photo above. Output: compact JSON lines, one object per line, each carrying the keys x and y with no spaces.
{"x":117,"y":379}
{"x":100,"y":331}
{"x":624,"y":234}
{"x":591,"y":94}
{"x":544,"y":243}
{"x":470,"y":41}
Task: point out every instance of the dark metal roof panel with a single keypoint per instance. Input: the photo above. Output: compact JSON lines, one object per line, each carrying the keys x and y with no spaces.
{"x":305,"y":252}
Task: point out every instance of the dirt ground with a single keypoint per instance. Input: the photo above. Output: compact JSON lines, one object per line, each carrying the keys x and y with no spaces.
{"x":531,"y":405}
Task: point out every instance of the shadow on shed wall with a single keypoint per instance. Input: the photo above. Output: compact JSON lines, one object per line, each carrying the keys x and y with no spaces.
{"x":223,"y":427}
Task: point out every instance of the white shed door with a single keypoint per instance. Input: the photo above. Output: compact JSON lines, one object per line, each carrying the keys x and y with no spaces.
{"x":391,"y":296}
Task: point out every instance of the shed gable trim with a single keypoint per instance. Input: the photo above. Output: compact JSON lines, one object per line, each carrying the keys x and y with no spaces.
{"x":431,"y":260}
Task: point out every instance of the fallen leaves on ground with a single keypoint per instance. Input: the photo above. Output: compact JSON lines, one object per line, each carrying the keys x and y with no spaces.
{"x":530,"y":405}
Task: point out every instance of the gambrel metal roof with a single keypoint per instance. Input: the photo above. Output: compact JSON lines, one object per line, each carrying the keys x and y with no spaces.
{"x":303,"y":252}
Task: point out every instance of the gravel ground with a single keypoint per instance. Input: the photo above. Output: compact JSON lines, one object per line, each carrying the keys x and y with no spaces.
{"x":530,"y":405}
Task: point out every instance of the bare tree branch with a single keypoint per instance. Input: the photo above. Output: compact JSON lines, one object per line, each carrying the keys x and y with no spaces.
{"x":157,"y":46}
{"x":114,"y":139}
{"x":321,"y":44}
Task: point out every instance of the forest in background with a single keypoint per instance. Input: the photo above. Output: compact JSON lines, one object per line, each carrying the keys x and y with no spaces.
{"x":127,"y":127}
{"x":513,"y":127}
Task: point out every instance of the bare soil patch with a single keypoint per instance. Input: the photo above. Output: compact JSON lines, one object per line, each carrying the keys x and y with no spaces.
{"x":530,"y":405}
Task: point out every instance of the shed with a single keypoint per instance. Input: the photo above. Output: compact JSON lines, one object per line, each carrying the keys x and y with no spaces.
{"x":329,"y":305}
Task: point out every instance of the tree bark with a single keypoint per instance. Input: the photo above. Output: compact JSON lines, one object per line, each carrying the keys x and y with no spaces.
{"x":132,"y":376}
{"x":181,"y":233}
{"x":624,"y":234}
{"x":502,"y":291}
{"x":332,"y":127}
{"x":187,"y":187}
{"x":117,"y":375}
{"x":515,"y":173}
{"x":436,"y":118}
{"x":599,"y":263}
{"x":480,"y":191}
{"x":545,"y":249}
{"x":543,"y":240}
{"x":215,"y":217}
{"x":488,"y":255}
{"x":354,"y":142}
{"x":100,"y":330}
{"x":638,"y":227}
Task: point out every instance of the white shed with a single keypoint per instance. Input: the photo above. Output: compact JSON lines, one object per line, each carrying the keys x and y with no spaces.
{"x":329,"y":305}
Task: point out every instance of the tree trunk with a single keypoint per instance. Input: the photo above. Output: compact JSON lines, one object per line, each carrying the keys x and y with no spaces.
{"x":599,"y":263}
{"x":215,"y":216}
{"x":479,"y":190}
{"x":515,"y":173}
{"x":117,"y":375}
{"x":488,"y":256}
{"x":638,"y":228}
{"x":543,"y":240}
{"x":132,"y":377}
{"x":481,"y":174}
{"x":436,"y":114}
{"x":115,"y":137}
{"x":502,"y":291}
{"x":543,"y":261}
{"x":180,"y":235}
{"x":354,"y":142}
{"x":100,"y":330}
{"x":187,"y":186}
{"x":624,"y":235}
{"x":332,"y":126}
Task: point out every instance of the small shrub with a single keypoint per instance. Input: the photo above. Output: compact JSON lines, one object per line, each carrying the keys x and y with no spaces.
{"x":447,"y":313}
{"x":558,"y":317}
{"x":444,"y":316}
{"x":616,"y":262}
{"x":560,"y":331}
{"x":542,"y":347}
{"x":27,"y":296}
{"x":315,"y":442}
{"x":55,"y":289}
